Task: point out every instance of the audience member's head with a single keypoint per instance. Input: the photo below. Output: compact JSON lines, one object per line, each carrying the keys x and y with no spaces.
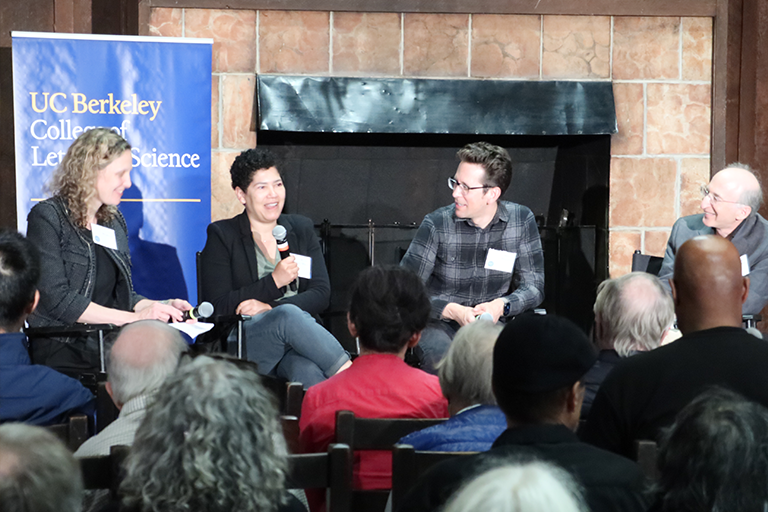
{"x":37,"y":472}
{"x":465,"y":371}
{"x":538,"y":364}
{"x":388,"y":309}
{"x":715,"y":456}
{"x":632,"y":313}
{"x":210,"y":441}
{"x":19,"y":274}
{"x":708,"y":288}
{"x":524,"y":487}
{"x":494,"y":159}
{"x":144,"y":354}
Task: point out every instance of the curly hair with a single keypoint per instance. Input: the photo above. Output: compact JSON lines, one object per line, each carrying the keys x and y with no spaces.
{"x":209,"y":442}
{"x":247,"y":163}
{"x":388,"y":305}
{"x":75,"y":178}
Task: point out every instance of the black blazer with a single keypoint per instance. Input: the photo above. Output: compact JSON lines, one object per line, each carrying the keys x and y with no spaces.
{"x":230,"y":272}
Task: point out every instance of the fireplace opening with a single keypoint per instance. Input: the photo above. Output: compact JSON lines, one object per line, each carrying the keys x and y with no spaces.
{"x":368,"y":191}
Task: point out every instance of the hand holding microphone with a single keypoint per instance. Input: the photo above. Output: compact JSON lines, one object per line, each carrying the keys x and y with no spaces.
{"x":204,"y":310}
{"x":287,"y":270}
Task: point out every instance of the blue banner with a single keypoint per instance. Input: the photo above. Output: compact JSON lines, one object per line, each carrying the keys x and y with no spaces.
{"x":156,"y":93}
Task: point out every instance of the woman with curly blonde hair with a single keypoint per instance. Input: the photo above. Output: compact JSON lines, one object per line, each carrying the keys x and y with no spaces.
{"x":83,"y":243}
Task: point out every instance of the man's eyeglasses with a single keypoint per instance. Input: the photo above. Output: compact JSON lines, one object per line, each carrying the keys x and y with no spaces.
{"x":452,"y":184}
{"x":705,"y":193}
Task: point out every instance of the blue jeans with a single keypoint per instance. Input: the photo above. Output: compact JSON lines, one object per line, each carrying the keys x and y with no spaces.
{"x":434,"y":343}
{"x":287,"y":342}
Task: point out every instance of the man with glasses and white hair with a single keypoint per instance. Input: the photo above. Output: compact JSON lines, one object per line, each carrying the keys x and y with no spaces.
{"x":730,"y":203}
{"x":477,"y":255}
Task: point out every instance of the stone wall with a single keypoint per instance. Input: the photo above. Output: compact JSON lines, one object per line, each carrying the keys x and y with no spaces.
{"x":660,"y":67}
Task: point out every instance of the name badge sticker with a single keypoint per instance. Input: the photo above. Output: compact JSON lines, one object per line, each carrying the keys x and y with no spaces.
{"x":744,"y":265}
{"x":104,"y":236}
{"x":305,"y":265}
{"x":503,"y":261}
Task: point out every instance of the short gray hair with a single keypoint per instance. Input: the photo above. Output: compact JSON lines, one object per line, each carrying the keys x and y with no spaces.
{"x":750,"y":197}
{"x":465,"y":371}
{"x":522,"y":487}
{"x":632,"y":323}
{"x":210,"y":441}
{"x":37,"y":472}
{"x":130,"y":379}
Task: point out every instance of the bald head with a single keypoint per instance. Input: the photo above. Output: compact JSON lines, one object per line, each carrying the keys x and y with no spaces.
{"x":707,"y":286}
{"x":143,"y":355}
{"x":733,"y":195}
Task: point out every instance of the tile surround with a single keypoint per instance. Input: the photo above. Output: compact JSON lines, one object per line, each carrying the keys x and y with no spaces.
{"x":660,"y":155}
{"x":435,"y":45}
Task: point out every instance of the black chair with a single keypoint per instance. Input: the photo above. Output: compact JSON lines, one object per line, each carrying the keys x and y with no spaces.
{"x":645,"y":455}
{"x":332,"y":471}
{"x":375,"y":434}
{"x":216,"y":338}
{"x":65,"y":331}
{"x":646,"y":263}
{"x":105,"y":472}
{"x":106,"y":411}
{"x":408,"y":465}
{"x":73,"y":432}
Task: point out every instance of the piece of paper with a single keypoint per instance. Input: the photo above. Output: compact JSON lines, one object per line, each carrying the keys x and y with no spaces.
{"x":503,"y":261}
{"x":193,"y":329}
{"x":104,"y":236}
{"x":305,"y":265}
{"x":744,"y":265}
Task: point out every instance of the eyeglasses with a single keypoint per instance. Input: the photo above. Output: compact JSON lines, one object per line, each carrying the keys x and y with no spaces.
{"x":452,"y":184}
{"x":705,"y":193}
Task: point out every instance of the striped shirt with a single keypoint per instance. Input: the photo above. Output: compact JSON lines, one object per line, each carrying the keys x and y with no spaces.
{"x":449,"y":254}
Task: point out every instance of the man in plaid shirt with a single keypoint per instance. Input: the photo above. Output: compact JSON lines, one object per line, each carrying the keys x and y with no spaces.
{"x":478,"y":255}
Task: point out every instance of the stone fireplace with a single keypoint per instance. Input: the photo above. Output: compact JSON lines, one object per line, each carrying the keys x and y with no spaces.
{"x":660,"y":68}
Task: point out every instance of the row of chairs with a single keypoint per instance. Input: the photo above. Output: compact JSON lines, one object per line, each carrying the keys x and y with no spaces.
{"x":332,"y":470}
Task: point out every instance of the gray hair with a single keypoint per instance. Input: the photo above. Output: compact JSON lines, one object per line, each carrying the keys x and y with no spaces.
{"x":210,"y":441}
{"x":750,"y":197}
{"x":522,"y":487}
{"x":131,"y":376}
{"x":636,"y":321}
{"x":37,"y":472}
{"x":465,"y":371}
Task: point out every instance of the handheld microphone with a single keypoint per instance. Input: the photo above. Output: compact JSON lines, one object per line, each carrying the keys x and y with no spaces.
{"x":281,"y":235}
{"x":204,"y":310}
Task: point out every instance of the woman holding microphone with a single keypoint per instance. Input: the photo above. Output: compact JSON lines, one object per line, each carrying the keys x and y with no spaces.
{"x":243,"y":273}
{"x":85,"y":261}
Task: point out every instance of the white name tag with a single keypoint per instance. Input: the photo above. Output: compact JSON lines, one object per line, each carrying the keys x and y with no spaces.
{"x":305,"y":265}
{"x":503,"y":261}
{"x":104,"y":236}
{"x":744,"y":265}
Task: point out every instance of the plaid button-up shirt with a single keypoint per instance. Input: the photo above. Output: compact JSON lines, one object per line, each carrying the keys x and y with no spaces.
{"x":449,"y":254}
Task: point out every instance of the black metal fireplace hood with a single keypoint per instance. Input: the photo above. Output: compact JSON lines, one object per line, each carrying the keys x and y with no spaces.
{"x":428,"y":106}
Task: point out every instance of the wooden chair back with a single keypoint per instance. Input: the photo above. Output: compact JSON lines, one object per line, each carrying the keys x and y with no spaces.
{"x":290,"y":425}
{"x":331,"y":470}
{"x":105,"y":472}
{"x":646,"y":454}
{"x":408,"y":465}
{"x":73,"y":432}
{"x":375,"y":434}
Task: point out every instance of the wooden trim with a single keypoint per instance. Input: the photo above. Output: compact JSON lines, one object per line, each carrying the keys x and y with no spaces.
{"x":705,"y":8}
{"x":748,"y":106}
{"x":726,"y":79}
{"x":145,"y":13}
